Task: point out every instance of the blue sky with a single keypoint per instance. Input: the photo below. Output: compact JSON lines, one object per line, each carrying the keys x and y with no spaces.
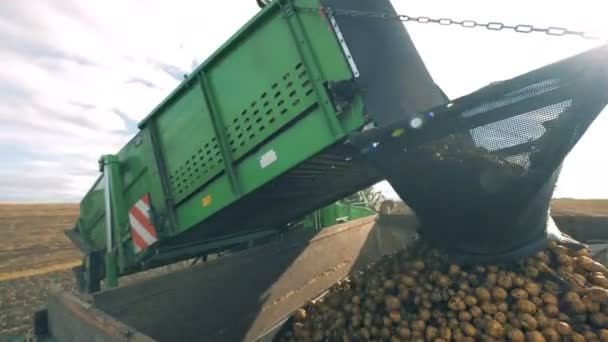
{"x":77,"y":76}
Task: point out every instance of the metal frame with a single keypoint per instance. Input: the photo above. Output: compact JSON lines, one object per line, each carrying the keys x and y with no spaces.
{"x":220,"y":133}
{"x":310,"y":63}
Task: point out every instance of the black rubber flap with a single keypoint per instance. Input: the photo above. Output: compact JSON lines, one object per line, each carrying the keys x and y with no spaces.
{"x":480,"y":171}
{"x":392,"y":74}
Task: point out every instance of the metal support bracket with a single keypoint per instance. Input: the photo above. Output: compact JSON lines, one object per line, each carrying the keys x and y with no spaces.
{"x":111,"y":269}
{"x":343,"y":45}
{"x":311,"y":65}
{"x":162,"y":174}
{"x":342,"y":94}
{"x":220,"y":134}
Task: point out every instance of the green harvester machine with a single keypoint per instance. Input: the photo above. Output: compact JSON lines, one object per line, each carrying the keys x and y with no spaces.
{"x":253,"y":139}
{"x":310,"y":102}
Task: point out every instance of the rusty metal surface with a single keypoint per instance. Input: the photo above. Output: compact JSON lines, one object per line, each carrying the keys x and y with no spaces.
{"x":243,"y":296}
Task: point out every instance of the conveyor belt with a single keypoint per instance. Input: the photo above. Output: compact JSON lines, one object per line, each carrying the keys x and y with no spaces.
{"x":480,"y":171}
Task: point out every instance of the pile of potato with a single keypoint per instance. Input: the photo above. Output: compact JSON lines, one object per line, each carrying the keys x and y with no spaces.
{"x":559,"y":294}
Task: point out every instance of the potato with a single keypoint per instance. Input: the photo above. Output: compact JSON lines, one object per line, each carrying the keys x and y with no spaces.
{"x":456,"y":304}
{"x":519,"y":281}
{"x":591,"y":306}
{"x":389,"y":284}
{"x":590,"y":265}
{"x":418,"y":325}
{"x":564,"y":259}
{"x":576,"y":337}
{"x":542,"y":321}
{"x":502,"y":307}
{"x":577,"y":307}
{"x":468,"y":329}
{"x":548,"y":298}
{"x":431,"y":333}
{"x":488,"y":308}
{"x":551,"y":335}
{"x":532,"y":271}
{"x":536,"y":301}
{"x":515,"y":335}
{"x":563,"y":329}
{"x":500,"y":317}
{"x":534,"y":336}
{"x":599,"y":280}
{"x":525,"y":306}
{"x":499,"y":294}
{"x":603,"y":335}
{"x":491,"y":279}
{"x":470,"y":300}
{"x":395,"y":316}
{"x":597,"y":294}
{"x":528,"y":322}
{"x":300,"y":315}
{"x":532,"y":288}
{"x":465,"y":316}
{"x":424,"y":314}
{"x":579,"y":278}
{"x":454,"y":270}
{"x":590,"y":336}
{"x":408,"y":281}
{"x":404,"y":333}
{"x":518,"y":293}
{"x":559,"y":250}
{"x":571,"y":296}
{"x":495,"y":329}
{"x":482,"y":294}
{"x":475,"y":311}
{"x":505,"y":281}
{"x":418,"y":265}
{"x":551,"y":287}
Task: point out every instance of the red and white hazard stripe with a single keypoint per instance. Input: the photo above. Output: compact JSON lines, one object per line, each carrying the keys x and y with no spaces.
{"x":143,"y":232}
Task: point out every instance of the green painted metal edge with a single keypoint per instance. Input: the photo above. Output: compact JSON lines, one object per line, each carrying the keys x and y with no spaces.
{"x":220,"y":133}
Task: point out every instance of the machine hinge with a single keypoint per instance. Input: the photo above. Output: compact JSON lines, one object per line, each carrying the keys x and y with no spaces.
{"x":342,"y":93}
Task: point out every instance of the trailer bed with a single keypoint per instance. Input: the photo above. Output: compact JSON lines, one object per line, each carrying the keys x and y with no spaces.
{"x":241,"y":297}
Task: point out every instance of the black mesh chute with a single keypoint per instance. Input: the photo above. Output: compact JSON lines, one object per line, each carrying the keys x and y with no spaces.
{"x":480,"y":171}
{"x":393,"y":76}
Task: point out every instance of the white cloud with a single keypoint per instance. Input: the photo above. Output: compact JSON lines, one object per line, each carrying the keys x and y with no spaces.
{"x":76,"y":74}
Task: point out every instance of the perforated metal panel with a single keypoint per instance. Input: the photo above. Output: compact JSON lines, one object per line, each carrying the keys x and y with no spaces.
{"x":480,"y":171}
{"x":277,"y":104}
{"x":206,"y":162}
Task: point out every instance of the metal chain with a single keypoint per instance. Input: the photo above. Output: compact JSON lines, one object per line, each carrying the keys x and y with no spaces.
{"x":492,"y":26}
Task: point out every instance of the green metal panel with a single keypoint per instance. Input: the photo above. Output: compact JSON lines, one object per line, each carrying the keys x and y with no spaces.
{"x":187,"y":140}
{"x":258,"y":87}
{"x":92,"y":216}
{"x":297,"y":143}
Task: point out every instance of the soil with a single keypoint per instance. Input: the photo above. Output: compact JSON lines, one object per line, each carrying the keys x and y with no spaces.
{"x":36,"y":256}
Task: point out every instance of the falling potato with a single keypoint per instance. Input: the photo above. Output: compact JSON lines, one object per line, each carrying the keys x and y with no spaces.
{"x":557,"y":294}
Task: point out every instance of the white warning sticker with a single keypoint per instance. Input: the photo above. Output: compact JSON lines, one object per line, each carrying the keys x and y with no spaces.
{"x":268,"y":158}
